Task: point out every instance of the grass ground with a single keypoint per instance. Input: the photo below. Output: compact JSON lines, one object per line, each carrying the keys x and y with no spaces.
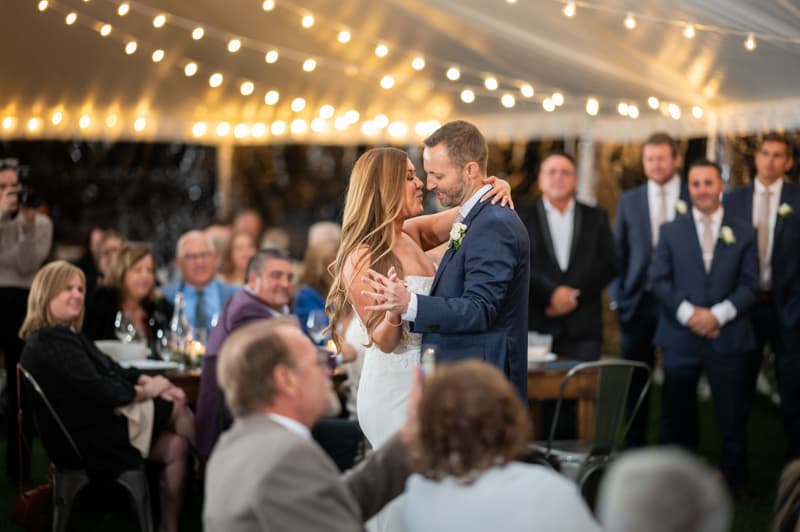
{"x":766,"y":452}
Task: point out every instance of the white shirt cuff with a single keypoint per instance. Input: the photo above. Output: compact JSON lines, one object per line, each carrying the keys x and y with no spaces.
{"x":725,"y":312}
{"x":685,"y":311}
{"x":411,"y":312}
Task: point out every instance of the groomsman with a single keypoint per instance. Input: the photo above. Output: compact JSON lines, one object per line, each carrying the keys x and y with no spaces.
{"x":572,"y":260}
{"x":704,"y":276}
{"x":640,"y":214}
{"x":772,"y":205}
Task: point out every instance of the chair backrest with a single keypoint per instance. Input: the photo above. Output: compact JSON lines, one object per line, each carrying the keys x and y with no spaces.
{"x":53,"y":414}
{"x":613,"y":385}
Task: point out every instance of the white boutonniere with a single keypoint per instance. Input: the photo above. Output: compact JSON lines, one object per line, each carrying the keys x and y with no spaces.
{"x":681,"y":207}
{"x":785,"y":210}
{"x":457,"y":233}
{"x":727,"y":236}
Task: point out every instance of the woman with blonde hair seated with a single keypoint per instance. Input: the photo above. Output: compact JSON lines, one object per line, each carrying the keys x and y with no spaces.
{"x":116,"y":416}
{"x":472,"y":425}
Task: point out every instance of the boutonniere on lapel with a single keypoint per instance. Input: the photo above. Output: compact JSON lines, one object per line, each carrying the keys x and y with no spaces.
{"x":727,"y":236}
{"x":681,"y":207}
{"x":785,"y":210}
{"x":457,"y":233}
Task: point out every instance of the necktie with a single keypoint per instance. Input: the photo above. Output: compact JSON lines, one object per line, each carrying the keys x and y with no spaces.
{"x":708,"y":242}
{"x":661,"y":214}
{"x":762,"y":226}
{"x":200,"y":317}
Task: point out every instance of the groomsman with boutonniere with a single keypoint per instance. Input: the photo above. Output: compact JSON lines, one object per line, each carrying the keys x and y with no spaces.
{"x":772,"y":205}
{"x":640,"y":214}
{"x":704,"y":276}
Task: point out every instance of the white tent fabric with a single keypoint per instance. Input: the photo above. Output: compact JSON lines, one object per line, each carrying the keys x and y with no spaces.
{"x":49,"y":66}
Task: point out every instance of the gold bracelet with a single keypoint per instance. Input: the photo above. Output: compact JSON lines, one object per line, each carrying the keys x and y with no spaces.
{"x":387,"y":320}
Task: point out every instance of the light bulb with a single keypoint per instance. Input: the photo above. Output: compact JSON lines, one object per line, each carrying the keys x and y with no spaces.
{"x":750,"y":42}
{"x":278,"y":127}
{"x":234,"y":45}
{"x":199,"y":129}
{"x":71,"y":18}
{"x":508,"y":101}
{"x":630,"y":21}
{"x":309,"y":65}
{"x":697,"y":112}
{"x":418,"y":63}
{"x":159,"y":20}
{"x":198,"y":33}
{"x":130,"y":48}
{"x":622,"y":108}
{"x":633,"y":111}
{"x":467,"y":96}
{"x":344,"y":37}
{"x":689,"y":31}
{"x":307,"y":21}
{"x":271,"y":97}
{"x":548,"y":105}
{"x":569,"y":9}
{"x":215,"y":80}
{"x":490,"y":83}
{"x":381,"y":50}
{"x":298,"y":104}
{"x":123,"y":9}
{"x":43,"y":5}
{"x":139,"y":124}
{"x":190,"y":69}
{"x":453,"y":73}
{"x":268,"y":5}
{"x":387,"y":82}
{"x":298,"y":126}
{"x":105,"y":30}
{"x":381,"y":121}
{"x":592,"y":106}
{"x":653,"y":103}
{"x":326,"y":111}
{"x":223,"y":129}
{"x":247,"y":88}
{"x":558,"y":99}
{"x":526,"y":90}
{"x":157,"y":56}
{"x":271,"y":56}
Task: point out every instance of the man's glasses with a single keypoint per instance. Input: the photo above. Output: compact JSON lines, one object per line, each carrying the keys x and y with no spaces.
{"x":9,"y":163}
{"x":197,"y":256}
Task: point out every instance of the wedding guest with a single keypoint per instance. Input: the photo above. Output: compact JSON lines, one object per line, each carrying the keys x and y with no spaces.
{"x":662,"y":490}
{"x":115,"y":416}
{"x":128,"y":287}
{"x":276,"y":238}
{"x":472,"y":425}
{"x":108,"y":247}
{"x":240,"y":249}
{"x":316,"y":280}
{"x":249,"y":221}
{"x":25,"y":241}
{"x":320,"y":232}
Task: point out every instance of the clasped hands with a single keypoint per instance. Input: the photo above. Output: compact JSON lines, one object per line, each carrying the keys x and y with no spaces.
{"x":388,"y":291}
{"x":703,"y":323}
{"x":563,"y":301}
{"x":159,"y":386}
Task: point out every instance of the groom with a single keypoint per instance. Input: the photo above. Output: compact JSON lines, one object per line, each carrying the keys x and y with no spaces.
{"x":478,"y":305}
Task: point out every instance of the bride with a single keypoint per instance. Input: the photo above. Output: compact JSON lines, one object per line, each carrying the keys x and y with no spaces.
{"x":382,"y":230}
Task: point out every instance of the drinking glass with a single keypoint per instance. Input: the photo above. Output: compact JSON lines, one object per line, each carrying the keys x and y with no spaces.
{"x":316,"y":323}
{"x":124,"y":328}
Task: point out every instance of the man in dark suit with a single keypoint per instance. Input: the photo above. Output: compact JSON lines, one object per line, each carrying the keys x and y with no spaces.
{"x":704,"y":275}
{"x":572,"y":260}
{"x":266,"y":472}
{"x":772,"y":205}
{"x":478,"y":304}
{"x":640,"y":214}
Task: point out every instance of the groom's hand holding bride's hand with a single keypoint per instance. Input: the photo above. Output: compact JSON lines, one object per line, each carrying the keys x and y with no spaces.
{"x":389,"y":293}
{"x":501,"y":191}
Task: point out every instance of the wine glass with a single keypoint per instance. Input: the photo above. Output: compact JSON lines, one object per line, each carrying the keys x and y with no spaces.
{"x":124,"y":328}
{"x":316,"y":323}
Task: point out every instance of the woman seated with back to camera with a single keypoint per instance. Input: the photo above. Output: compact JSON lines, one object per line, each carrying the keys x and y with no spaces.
{"x":472,"y":425}
{"x":128,"y":287}
{"x":116,"y":416}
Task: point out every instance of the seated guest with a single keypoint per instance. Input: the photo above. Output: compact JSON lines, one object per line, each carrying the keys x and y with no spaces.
{"x":787,"y":503}
{"x":109,"y":245}
{"x":662,"y":490}
{"x":238,"y":252}
{"x":471,"y":427}
{"x":320,"y":232}
{"x":116,"y":416}
{"x":276,"y":238}
{"x":203,"y":295}
{"x":128,"y":287}
{"x":316,"y":280}
{"x":249,"y":221}
{"x":266,"y":473}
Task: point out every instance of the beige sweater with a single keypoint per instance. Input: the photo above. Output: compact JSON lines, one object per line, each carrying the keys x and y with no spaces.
{"x":23,"y":249}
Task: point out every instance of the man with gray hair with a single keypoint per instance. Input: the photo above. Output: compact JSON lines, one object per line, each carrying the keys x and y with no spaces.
{"x":321,"y":232}
{"x":663,"y":489}
{"x":266,"y":472}
{"x":203,"y":294}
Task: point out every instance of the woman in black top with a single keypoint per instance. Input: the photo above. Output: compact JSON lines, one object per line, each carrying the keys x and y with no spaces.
{"x":88,"y":389}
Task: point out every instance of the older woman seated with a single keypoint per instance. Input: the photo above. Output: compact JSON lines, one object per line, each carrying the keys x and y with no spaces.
{"x":471,"y":427}
{"x":116,"y":416}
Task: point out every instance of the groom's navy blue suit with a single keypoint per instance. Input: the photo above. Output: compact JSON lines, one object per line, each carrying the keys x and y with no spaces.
{"x":677,"y":274}
{"x":478,"y":306}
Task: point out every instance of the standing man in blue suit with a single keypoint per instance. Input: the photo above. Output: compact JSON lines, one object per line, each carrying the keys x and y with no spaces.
{"x":704,"y":275}
{"x":772,"y":205}
{"x":640,"y":214}
{"x":478,"y":305}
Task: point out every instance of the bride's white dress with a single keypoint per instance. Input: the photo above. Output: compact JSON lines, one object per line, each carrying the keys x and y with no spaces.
{"x":383,"y":396}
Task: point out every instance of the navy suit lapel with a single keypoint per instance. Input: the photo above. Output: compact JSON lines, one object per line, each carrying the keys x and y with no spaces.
{"x":697,"y":249}
{"x":476,"y":209}
{"x":645,"y":217}
{"x":779,"y":222}
{"x":576,"y":231}
{"x":684,"y":194}
{"x":541,"y":218}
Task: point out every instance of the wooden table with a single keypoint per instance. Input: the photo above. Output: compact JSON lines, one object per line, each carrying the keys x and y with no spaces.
{"x":543,"y":384}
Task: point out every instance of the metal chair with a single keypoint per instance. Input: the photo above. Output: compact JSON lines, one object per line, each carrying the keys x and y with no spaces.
{"x":69,"y":481}
{"x":585,"y":461}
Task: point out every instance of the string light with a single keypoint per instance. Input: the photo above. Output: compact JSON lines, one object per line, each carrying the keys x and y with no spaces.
{"x":397,"y":129}
{"x":341,"y":123}
{"x":71,"y":18}
{"x":630,"y":21}
{"x":344,"y":37}
{"x":199,"y":129}
{"x":326,"y":111}
{"x":674,"y":111}
{"x":123,"y":9}
{"x":130,"y":47}
{"x":307,"y":20}
{"x":159,"y":21}
{"x":653,"y":102}
{"x":271,"y":56}
{"x":42,"y":5}
{"x":34,"y":124}
{"x":467,"y":96}
{"x":247,"y":88}
{"x":271,"y":97}
{"x":278,"y":128}
{"x":198,"y":33}
{"x":633,"y":111}
{"x":750,"y":42}
{"x":352,"y":116}
{"x":622,"y":108}
{"x":111,"y":121}
{"x":157,"y":56}
{"x":190,"y":69}
{"x":418,"y":63}
{"x":381,"y":50}
{"x":241,"y":131}
{"x":569,"y":9}
{"x":318,"y":125}
{"x":139,"y":124}
{"x":508,"y":101}
{"x":381,"y":121}
{"x":234,"y":45}
{"x":215,"y":80}
{"x":298,"y":104}
{"x":592,"y":106}
{"x":453,"y":73}
{"x":558,"y":99}
{"x":268,"y":5}
{"x":223,"y":129}
{"x":259,"y":130}
{"x":387,"y":82}
{"x":697,"y":112}
{"x":56,"y":118}
{"x":369,"y":129}
{"x":309,"y":65}
{"x":105,"y":30}
{"x":490,"y":83}
{"x":548,"y":105}
{"x":526,"y":90}
{"x":688,"y":31}
{"x":298,"y":126}
{"x":8,"y":122}
{"x":84,"y":122}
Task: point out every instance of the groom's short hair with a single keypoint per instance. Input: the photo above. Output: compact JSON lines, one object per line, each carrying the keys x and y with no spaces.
{"x":465,"y":143}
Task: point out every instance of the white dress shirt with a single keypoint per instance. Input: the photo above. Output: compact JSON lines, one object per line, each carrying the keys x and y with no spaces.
{"x":411,"y":312}
{"x":291,"y":425}
{"x":774,"y":200}
{"x":724,"y":311}
{"x":672,"y":189}
{"x":561,"y":226}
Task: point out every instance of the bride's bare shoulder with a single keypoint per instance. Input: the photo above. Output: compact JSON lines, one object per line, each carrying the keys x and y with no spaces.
{"x":356,"y":261}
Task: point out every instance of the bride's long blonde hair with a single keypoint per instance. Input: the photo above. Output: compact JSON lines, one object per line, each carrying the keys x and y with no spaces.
{"x":374,"y":201}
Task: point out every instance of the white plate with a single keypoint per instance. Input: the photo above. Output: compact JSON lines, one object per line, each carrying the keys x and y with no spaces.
{"x":120,"y":351}
{"x":541,"y":359}
{"x":150,"y":364}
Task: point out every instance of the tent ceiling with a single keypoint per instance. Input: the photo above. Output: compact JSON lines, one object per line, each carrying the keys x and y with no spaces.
{"x":47,"y":64}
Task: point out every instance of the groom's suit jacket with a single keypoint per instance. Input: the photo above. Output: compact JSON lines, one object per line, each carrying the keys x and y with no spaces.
{"x":478,"y":306}
{"x":677,"y":273}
